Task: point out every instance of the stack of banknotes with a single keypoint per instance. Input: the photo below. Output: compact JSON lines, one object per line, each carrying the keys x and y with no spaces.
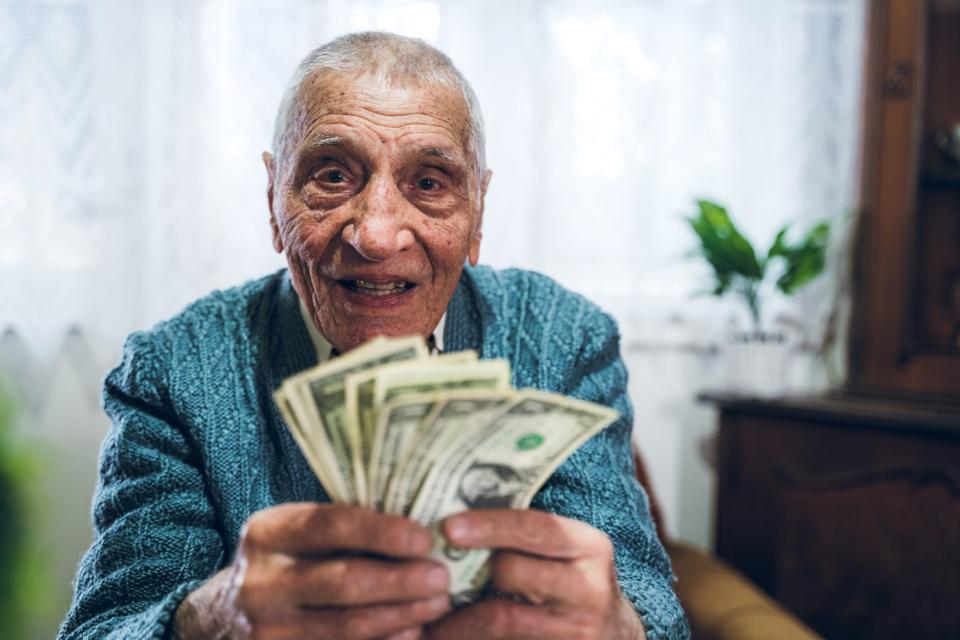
{"x":390,"y":427}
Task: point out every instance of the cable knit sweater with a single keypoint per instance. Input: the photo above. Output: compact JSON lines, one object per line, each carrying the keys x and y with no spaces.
{"x":197,"y":445}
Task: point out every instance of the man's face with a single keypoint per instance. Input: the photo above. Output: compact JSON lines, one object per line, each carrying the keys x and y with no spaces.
{"x":377,"y":205}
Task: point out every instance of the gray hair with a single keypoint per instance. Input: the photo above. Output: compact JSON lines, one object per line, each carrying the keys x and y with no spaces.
{"x":392,"y":59}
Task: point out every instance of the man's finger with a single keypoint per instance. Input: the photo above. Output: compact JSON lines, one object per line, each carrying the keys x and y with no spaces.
{"x":361,"y":623}
{"x":531,"y":531}
{"x":497,"y":619}
{"x":542,"y":581}
{"x":414,"y":633}
{"x":318,"y":529}
{"x":358,"y":581}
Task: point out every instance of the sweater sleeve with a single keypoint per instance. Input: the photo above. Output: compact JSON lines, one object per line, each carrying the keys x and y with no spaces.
{"x":155,"y":536}
{"x":597,"y":485}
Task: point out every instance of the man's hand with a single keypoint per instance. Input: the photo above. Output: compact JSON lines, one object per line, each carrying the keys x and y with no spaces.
{"x":557,"y":573}
{"x":321,"y":571}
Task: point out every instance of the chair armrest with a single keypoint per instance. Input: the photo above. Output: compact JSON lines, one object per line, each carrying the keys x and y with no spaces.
{"x":722,"y":604}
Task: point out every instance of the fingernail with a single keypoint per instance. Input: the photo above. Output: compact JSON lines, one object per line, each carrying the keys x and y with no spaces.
{"x":439,"y":604}
{"x":437,"y":579}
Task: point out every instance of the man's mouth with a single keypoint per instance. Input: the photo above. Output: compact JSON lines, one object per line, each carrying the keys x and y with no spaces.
{"x":377,"y":288}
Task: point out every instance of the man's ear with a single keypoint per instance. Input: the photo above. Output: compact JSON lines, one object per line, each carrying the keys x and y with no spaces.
{"x":484,"y":184}
{"x":271,"y":165}
{"x":474,"y":253}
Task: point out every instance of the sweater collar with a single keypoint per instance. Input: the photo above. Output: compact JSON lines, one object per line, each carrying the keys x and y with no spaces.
{"x":292,"y":342}
{"x":464,"y":328}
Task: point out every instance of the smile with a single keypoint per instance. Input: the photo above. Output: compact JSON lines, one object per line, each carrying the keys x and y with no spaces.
{"x":376,"y":289}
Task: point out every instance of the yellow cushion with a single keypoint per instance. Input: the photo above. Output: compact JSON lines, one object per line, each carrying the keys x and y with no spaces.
{"x":723,"y":605}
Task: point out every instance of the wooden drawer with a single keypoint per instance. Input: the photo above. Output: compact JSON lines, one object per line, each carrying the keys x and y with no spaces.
{"x":850,"y":518}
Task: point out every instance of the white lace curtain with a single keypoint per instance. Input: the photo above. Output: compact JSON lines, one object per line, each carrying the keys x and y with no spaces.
{"x":131,"y":181}
{"x":130,"y":178}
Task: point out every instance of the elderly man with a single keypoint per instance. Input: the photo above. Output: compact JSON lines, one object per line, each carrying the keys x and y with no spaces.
{"x":209,"y":522}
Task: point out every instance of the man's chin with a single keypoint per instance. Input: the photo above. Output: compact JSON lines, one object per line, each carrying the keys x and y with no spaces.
{"x":360,"y":333}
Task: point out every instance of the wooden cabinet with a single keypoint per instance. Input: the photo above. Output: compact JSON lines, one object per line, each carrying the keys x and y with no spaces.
{"x":846,"y":511}
{"x":906,"y":330}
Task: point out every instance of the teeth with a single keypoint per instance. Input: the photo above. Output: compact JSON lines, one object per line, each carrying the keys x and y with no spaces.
{"x":380,"y":289}
{"x":381,"y":286}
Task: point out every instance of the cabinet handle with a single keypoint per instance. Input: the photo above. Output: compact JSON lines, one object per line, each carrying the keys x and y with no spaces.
{"x":898,"y":81}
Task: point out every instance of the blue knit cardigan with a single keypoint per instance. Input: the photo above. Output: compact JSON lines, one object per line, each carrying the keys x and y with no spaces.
{"x":197,"y":445}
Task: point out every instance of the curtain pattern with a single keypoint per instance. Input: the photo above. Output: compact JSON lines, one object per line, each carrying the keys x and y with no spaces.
{"x":130,"y":178}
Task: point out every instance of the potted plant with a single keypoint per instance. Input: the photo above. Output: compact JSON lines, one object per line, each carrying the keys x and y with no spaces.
{"x":739,"y":270}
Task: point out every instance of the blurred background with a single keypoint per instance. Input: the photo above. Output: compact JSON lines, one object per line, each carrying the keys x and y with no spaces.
{"x":131,"y":184}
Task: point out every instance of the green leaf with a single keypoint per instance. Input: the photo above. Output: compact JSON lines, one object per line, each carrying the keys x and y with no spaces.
{"x":736,"y":266}
{"x":779,"y":246}
{"x":805,"y":261}
{"x":724,"y":247}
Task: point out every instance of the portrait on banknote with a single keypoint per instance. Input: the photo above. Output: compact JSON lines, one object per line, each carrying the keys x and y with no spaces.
{"x":489,"y":486}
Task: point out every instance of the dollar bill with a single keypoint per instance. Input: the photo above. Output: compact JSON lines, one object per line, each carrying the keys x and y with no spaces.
{"x":318,"y":399}
{"x":390,"y":442}
{"x":306,"y":427}
{"x":314,"y":458}
{"x":451,"y":421}
{"x":359,"y":398}
{"x":501,"y":465}
{"x":444,"y":372}
{"x":398,"y":423}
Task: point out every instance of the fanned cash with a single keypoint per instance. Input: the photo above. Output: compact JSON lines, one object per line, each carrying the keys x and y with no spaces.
{"x":318,"y":399}
{"x":388,"y":427}
{"x":502,"y":464}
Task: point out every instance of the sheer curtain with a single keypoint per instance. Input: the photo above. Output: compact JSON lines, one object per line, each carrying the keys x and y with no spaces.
{"x":131,"y":180}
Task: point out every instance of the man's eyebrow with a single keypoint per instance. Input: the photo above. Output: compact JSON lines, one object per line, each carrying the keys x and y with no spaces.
{"x":437,"y":152}
{"x":322,"y":141}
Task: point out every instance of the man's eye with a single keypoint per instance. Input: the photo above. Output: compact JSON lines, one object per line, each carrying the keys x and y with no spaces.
{"x":334,"y":176}
{"x":428,"y":184}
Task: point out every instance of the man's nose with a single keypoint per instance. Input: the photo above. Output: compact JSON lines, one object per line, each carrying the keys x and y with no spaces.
{"x":380,"y":227}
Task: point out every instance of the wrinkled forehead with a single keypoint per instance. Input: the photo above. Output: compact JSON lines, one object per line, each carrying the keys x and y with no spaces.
{"x":327,"y":92}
